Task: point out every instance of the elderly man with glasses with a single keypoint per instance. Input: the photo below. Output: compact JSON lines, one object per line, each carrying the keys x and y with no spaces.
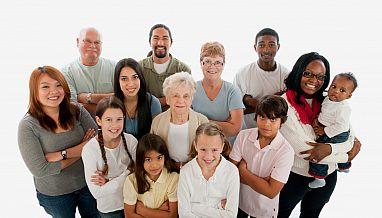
{"x":90,"y":77}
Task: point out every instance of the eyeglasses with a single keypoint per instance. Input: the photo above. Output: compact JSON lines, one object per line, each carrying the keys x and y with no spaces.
{"x":88,"y":42}
{"x":310,"y":75}
{"x":209,"y":63}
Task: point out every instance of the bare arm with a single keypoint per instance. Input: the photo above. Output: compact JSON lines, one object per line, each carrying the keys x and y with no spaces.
{"x":232,"y":126}
{"x":130,"y":211}
{"x":250,"y":104}
{"x":148,"y":212}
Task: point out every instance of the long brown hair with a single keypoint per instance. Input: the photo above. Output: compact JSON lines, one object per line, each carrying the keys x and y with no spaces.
{"x":102,"y":106}
{"x":211,"y":129}
{"x":68,"y":112}
{"x":150,"y":142}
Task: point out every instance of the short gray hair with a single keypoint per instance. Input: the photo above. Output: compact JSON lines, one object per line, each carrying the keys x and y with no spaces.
{"x":181,"y":78}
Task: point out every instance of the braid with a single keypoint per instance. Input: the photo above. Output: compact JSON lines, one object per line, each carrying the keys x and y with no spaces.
{"x":103,"y":152}
{"x":131,"y":165}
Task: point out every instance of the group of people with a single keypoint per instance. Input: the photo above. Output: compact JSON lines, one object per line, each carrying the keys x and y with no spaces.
{"x":144,"y":139}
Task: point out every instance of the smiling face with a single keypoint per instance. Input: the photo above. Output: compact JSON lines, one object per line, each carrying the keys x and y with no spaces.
{"x":153,"y":164}
{"x":50,"y":92}
{"x":129,"y":82}
{"x":212,"y":67}
{"x":111,"y":123}
{"x":310,"y":80}
{"x":209,"y":149}
{"x":180,"y":99}
{"x":266,"y":47}
{"x":340,"y":89}
{"x":160,"y":42}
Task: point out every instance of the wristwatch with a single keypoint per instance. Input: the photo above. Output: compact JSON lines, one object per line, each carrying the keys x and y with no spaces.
{"x":89,"y":98}
{"x":64,"y":154}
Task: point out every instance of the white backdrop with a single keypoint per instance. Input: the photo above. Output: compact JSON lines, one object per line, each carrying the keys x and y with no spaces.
{"x":348,"y":33}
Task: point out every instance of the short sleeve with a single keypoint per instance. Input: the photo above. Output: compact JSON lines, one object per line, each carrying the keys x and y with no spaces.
{"x":236,"y":154}
{"x":283,"y":165}
{"x":173,"y":187}
{"x":235,"y":98}
{"x":130,"y":194}
{"x":155,"y":106}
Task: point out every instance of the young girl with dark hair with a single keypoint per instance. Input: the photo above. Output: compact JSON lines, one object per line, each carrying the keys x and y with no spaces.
{"x":109,"y":157}
{"x":130,"y":88}
{"x":50,"y":137}
{"x":151,"y":191}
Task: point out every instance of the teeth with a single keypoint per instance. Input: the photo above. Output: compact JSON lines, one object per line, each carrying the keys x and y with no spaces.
{"x":53,"y":98}
{"x":311,"y":86}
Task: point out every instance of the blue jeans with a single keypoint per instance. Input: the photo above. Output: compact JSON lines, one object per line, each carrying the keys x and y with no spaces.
{"x":65,"y":205}
{"x":312,"y":200}
{"x":114,"y":214}
{"x":320,"y":171}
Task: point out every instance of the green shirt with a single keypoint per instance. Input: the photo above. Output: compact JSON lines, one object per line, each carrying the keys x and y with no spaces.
{"x":154,"y":81}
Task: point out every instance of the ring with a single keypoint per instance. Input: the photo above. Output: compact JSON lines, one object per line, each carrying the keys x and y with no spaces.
{"x":314,"y":160}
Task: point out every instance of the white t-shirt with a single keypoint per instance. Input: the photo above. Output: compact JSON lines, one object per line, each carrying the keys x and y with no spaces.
{"x":335,"y":116}
{"x":178,"y":143}
{"x":254,"y":81}
{"x":161,"y":68}
{"x":198,"y":197}
{"x":109,"y":196}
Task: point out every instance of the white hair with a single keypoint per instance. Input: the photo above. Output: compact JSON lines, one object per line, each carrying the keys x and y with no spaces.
{"x":83,"y":32}
{"x":177,"y":79}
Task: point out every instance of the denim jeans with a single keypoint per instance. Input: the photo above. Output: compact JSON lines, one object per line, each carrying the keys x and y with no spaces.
{"x":65,"y":205}
{"x":114,"y":214}
{"x":320,"y":171}
{"x":312,"y":200}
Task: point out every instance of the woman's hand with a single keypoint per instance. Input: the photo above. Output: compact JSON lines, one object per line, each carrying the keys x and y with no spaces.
{"x":98,"y":178}
{"x":53,"y":156}
{"x":355,"y":150}
{"x":318,"y":152}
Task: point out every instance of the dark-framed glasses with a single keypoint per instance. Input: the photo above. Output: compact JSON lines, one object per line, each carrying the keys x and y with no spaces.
{"x":310,"y":75}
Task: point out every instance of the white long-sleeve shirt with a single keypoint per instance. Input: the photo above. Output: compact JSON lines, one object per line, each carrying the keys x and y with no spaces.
{"x":109,"y":196}
{"x":198,"y":197}
{"x":297,"y":134}
{"x":335,"y":116}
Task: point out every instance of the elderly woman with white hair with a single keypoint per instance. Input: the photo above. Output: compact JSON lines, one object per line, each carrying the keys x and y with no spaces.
{"x":178,"y":124}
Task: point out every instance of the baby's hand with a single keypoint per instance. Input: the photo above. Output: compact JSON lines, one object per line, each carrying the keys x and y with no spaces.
{"x":223,"y":202}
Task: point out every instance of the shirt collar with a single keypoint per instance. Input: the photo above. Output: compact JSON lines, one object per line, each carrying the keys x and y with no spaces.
{"x":162,"y":178}
{"x":275,"y":143}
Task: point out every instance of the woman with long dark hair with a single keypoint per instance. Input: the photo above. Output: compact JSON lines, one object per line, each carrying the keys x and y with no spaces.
{"x":130,"y":88}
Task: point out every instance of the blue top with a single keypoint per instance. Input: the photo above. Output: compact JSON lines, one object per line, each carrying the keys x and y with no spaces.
{"x":131,"y":125}
{"x":228,"y":99}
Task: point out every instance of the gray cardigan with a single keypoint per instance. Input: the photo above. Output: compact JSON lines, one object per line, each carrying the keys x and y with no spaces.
{"x":34,"y":141}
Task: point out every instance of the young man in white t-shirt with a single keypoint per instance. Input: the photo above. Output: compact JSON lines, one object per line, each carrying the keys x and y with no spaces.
{"x":262,"y":77}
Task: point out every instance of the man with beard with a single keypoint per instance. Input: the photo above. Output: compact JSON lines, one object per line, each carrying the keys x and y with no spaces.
{"x":263,"y":77}
{"x":90,"y":77}
{"x":160,"y":64}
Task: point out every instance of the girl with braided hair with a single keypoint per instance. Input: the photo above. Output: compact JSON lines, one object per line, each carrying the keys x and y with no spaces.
{"x":109,"y":157}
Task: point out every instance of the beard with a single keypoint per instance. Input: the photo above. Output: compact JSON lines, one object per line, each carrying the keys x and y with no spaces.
{"x":160,"y":54}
